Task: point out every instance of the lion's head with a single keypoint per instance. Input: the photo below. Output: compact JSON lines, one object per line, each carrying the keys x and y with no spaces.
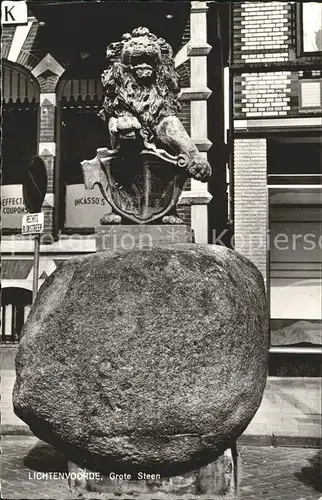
{"x":141,"y":78}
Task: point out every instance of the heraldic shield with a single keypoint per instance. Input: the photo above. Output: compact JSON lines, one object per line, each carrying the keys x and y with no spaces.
{"x":141,"y":185}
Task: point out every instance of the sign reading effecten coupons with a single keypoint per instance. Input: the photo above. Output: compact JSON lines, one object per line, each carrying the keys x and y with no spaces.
{"x":33,"y":223}
{"x":12,"y":206}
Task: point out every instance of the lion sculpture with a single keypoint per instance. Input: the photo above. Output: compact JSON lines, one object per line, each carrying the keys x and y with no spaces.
{"x":141,"y":98}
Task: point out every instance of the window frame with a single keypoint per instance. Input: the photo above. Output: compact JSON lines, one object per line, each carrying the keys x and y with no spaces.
{"x":300,"y":34}
{"x":90,"y":107}
{"x":279,"y":349}
{"x":310,"y":108}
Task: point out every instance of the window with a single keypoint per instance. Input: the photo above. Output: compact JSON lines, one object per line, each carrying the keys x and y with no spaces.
{"x":295,"y":267}
{"x":295,"y":161}
{"x":311,"y":94}
{"x":82,"y":132}
{"x":295,"y":262}
{"x":15,"y":307}
{"x":20,"y":128}
{"x":311,"y":27}
{"x":295,"y":281}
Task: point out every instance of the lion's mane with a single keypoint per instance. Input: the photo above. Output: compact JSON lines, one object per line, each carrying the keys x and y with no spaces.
{"x":124,"y":94}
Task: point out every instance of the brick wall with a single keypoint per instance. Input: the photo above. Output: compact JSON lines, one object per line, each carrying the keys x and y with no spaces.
{"x":7,"y":33}
{"x":262,"y":94}
{"x":184,"y":212}
{"x":262,"y":31}
{"x":186,"y":34}
{"x":265,"y":35}
{"x":277,"y":93}
{"x":251,"y":200}
{"x":184,"y":115}
{"x":184,"y":71}
{"x":6,"y":38}
{"x":30,"y":44}
{"x":47,"y":117}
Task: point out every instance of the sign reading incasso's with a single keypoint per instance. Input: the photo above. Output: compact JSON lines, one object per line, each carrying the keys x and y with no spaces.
{"x":84,"y":208}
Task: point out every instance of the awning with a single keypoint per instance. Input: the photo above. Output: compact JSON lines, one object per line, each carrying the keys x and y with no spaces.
{"x":17,"y":86}
{"x":83,"y":89}
{"x":20,"y":269}
{"x":15,"y":269}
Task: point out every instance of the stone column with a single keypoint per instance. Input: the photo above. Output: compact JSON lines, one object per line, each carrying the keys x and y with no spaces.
{"x":48,"y":71}
{"x":198,"y":49}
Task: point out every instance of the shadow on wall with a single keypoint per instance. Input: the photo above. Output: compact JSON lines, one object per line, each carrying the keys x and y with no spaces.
{"x":281,"y":390}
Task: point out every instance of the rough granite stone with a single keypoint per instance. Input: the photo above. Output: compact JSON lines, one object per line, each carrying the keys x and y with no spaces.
{"x":146,"y":359}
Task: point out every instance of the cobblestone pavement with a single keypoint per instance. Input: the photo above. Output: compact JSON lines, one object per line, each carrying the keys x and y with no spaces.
{"x":265,"y":473}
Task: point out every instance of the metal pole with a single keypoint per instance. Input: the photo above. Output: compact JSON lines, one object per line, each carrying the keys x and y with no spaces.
{"x":36,"y":267}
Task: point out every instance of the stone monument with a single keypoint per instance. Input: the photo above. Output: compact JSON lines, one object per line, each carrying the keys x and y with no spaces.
{"x":148,"y":361}
{"x":145,"y":365}
{"x":149,"y":155}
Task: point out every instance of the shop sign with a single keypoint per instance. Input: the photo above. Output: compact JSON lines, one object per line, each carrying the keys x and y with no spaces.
{"x":14,"y":12}
{"x":84,"y":207}
{"x":12,"y":206}
{"x":32,"y":223}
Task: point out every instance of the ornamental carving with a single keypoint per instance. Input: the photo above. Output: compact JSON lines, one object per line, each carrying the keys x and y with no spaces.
{"x":150,"y":155}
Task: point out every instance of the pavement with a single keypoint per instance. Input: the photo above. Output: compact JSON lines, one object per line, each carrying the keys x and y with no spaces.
{"x":265,"y":472}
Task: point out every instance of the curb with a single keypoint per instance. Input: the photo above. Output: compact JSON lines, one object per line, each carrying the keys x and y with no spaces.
{"x":15,"y":430}
{"x":279,"y":441}
{"x":244,"y":440}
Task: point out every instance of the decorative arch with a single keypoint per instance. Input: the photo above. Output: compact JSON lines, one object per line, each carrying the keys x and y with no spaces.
{"x":19,"y":85}
{"x":20,"y":128}
{"x":81,"y":81}
{"x":16,"y":284}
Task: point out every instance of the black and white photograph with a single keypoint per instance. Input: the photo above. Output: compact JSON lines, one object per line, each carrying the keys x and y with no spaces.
{"x":161,"y":250}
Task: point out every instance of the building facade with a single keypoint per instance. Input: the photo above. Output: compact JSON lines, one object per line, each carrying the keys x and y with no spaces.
{"x":52,"y":96}
{"x":252,"y":102}
{"x":275,"y":185}
{"x":277,"y":158}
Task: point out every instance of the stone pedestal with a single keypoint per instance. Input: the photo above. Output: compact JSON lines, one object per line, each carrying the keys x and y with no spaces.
{"x":136,"y":237}
{"x":213,"y":481}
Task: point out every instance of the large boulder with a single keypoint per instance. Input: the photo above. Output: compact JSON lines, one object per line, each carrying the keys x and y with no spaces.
{"x":146,"y":359}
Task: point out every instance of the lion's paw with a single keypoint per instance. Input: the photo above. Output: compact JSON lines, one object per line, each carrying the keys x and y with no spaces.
{"x":126,"y":123}
{"x":110,"y":219}
{"x":200,"y":169}
{"x":171,"y":219}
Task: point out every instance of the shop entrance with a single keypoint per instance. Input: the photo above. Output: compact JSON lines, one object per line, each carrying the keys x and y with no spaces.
{"x":82,"y":131}
{"x":20,"y":131}
{"x":295,"y":266}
